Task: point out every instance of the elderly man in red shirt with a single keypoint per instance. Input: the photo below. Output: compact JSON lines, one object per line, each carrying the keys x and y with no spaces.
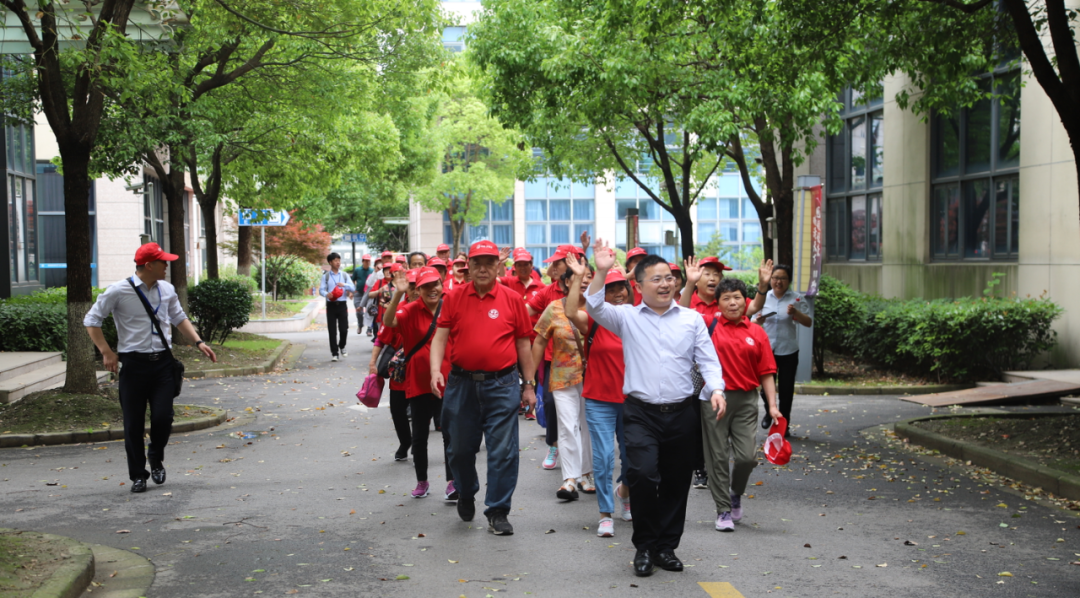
{"x":488,"y":331}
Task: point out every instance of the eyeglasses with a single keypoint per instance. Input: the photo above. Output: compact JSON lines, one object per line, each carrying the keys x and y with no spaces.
{"x":658,"y":279}
{"x":775,"y":279}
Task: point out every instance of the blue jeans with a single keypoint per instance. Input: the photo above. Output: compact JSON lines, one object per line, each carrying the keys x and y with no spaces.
{"x":605,"y":421}
{"x":472,"y":410}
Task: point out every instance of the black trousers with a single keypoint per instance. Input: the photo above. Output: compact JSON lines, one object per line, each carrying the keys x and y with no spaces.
{"x":399,"y":412}
{"x":786,"y":366}
{"x":658,"y":471}
{"x":146,"y":383}
{"x":337,"y":321}
{"x":424,"y":408}
{"x":551,"y":432}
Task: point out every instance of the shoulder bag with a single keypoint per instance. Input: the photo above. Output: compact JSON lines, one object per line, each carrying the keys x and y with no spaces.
{"x":178,"y":366}
{"x":396,"y":367}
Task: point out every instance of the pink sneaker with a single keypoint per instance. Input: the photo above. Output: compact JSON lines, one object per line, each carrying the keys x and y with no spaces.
{"x":451,"y":492}
{"x":552,"y":457}
{"x":421,"y":490}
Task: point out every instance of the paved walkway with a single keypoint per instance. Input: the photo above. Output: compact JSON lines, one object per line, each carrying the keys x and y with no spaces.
{"x":314,"y":504}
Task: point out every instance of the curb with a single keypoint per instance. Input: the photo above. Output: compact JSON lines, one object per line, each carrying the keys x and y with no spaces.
{"x":72,"y":577}
{"x":296,"y":323}
{"x":808,"y":389}
{"x":121,"y":573}
{"x":53,"y":438}
{"x":1052,"y":480}
{"x":250,"y":370}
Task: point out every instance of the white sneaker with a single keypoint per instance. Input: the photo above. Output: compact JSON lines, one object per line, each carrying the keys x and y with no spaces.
{"x":606,"y":529}
{"x":344,"y":353}
{"x":626,"y":508}
{"x":334,"y":358}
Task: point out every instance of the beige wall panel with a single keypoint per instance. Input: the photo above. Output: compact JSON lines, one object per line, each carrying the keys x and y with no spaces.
{"x":1036,"y":212}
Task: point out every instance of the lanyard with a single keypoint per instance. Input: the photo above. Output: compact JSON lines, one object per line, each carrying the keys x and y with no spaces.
{"x":139,"y":291}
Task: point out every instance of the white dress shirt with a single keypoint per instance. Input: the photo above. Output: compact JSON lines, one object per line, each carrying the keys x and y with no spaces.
{"x":134,"y":329}
{"x":781,"y":328}
{"x":659,"y":350}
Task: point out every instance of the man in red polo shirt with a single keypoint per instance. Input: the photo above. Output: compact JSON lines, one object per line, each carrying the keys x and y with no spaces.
{"x":456,"y":277}
{"x":488,"y":331}
{"x":443,"y":252}
{"x":521,"y":282}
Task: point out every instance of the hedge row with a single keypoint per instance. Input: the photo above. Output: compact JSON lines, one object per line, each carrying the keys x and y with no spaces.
{"x":38,"y":322}
{"x":953,"y":340}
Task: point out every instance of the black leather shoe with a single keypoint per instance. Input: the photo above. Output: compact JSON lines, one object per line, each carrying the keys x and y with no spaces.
{"x":643,"y":563}
{"x":138,"y":486}
{"x":157,"y":474}
{"x":766,"y":422}
{"x":466,"y":508}
{"x":667,"y":560}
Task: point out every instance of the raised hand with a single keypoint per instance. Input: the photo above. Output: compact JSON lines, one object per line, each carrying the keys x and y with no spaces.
{"x":604,"y":256}
{"x":504,"y":254}
{"x":401,"y":281}
{"x":585,"y":240}
{"x":764,"y":273}
{"x":692,"y":268}
{"x":577,"y":267}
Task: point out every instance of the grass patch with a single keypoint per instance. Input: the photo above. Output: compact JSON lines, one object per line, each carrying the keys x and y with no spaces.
{"x":26,"y":562}
{"x":57,"y":411}
{"x":276,"y":309}
{"x":1050,"y":441}
{"x":842,"y":370}
{"x":242,"y":349}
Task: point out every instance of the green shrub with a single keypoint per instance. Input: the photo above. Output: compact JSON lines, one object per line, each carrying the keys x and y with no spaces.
{"x":38,"y":322}
{"x":287,"y":275}
{"x":954,"y":340}
{"x":218,"y":307}
{"x":750,"y":278}
{"x":839,"y":314}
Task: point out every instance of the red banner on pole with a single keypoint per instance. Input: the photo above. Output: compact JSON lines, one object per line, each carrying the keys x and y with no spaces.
{"x":816,"y":241}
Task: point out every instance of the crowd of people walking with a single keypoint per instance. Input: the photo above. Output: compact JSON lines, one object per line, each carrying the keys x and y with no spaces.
{"x":660,"y":364}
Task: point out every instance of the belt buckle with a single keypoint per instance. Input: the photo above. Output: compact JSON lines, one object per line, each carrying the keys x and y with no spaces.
{"x":477,"y":377}
{"x":154,"y":356}
{"x":667,"y":408}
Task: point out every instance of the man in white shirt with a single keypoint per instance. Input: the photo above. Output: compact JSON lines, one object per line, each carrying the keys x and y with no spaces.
{"x":661,"y":343}
{"x":148,"y":375}
{"x":336,"y":287}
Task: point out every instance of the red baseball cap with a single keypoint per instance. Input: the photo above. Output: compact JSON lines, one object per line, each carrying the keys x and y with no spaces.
{"x":443,"y":247}
{"x":395,"y":267}
{"x":461,"y":260}
{"x":401,"y":259}
{"x":561,"y":252}
{"x":365,"y":258}
{"x":481,"y":248}
{"x":411,"y":275}
{"x":614,"y":276}
{"x":714,"y":262}
{"x":427,"y":275}
{"x":674,"y":266}
{"x":777,"y":448}
{"x":523,"y":256}
{"x":435,"y":262}
{"x":152,"y":252}
{"x":636,"y":252}
{"x":387,"y":254}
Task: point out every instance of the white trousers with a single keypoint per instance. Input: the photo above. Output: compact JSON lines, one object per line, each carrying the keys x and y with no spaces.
{"x":575,"y":447}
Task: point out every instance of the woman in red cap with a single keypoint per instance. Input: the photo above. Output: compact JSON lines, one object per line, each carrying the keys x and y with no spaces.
{"x":634,"y":256}
{"x":603,"y":396}
{"x":416,"y":322}
{"x":565,"y":378}
{"x":459,"y":268}
{"x":399,"y":408}
{"x":746,"y":361}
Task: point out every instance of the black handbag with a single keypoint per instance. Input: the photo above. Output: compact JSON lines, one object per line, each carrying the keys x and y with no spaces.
{"x":382,"y":364}
{"x":399,"y":361}
{"x":695,"y":372}
{"x":178,"y":366}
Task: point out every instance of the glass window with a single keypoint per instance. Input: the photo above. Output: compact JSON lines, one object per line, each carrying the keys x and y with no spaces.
{"x":648,"y":210}
{"x":503,"y":211}
{"x":583,"y":209}
{"x":558,"y":189}
{"x":558,"y":212}
{"x":877,"y":149}
{"x":706,"y":231}
{"x":858,"y":153}
{"x":622,"y":205}
{"x":729,"y":232}
{"x":560,"y":233}
{"x":873,"y":228}
{"x":748,"y":210}
{"x":730,"y":186}
{"x":584,"y":190}
{"x":751,"y":232}
{"x":535,"y":233}
{"x":858,"y":228}
{"x":559,"y":209}
{"x":536,"y":189}
{"x":535,"y":211}
{"x":980,"y":146}
{"x":503,"y":234}
{"x":729,"y":208}
{"x":837,"y":148}
{"x":706,"y":209}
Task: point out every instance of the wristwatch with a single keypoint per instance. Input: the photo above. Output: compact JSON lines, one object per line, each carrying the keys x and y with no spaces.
{"x":531,"y":383}
{"x":199,"y":342}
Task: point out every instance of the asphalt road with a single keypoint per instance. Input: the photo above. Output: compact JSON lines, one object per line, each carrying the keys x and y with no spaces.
{"x":314,"y":504}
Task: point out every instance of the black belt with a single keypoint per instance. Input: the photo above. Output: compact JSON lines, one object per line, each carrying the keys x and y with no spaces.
{"x":480,"y":376}
{"x":666,"y":407}
{"x":147,"y":356}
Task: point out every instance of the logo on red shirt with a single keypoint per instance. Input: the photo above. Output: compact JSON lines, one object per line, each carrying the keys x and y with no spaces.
{"x":749,"y":341}
{"x":493,"y":314}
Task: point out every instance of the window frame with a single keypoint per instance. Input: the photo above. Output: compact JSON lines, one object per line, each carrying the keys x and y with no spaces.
{"x":870,"y":191}
{"x":963,"y":180}
{"x":487,"y":222}
{"x":541,"y":251}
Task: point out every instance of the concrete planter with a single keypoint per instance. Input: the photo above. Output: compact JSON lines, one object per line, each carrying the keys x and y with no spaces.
{"x":297,"y":323}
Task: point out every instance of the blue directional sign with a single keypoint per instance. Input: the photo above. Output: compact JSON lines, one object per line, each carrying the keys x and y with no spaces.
{"x":354,"y":238}
{"x":263,"y":217}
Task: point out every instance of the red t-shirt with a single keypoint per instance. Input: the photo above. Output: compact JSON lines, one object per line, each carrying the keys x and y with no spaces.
{"x":391,"y":336}
{"x":637,"y":293}
{"x":484,"y":330}
{"x":606,"y":369}
{"x":539,"y":303}
{"x":450,"y":284}
{"x":414,"y":320}
{"x":526,"y":293}
{"x":744,"y":352}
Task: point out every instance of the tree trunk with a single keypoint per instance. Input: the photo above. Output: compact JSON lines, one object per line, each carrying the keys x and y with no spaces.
{"x":686,"y":232}
{"x":243,"y":251}
{"x":81,"y":377}
{"x":209,"y":206}
{"x":176,"y":198}
{"x":456,"y":228}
